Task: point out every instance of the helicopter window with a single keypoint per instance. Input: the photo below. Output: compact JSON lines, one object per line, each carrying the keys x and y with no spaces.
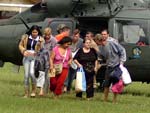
{"x":7,"y":14}
{"x":133,"y":32}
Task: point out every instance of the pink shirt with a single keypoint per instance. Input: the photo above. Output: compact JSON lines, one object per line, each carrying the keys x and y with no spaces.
{"x":59,"y":58}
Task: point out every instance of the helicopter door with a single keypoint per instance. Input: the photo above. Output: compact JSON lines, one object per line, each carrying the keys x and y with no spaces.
{"x":133,"y":35}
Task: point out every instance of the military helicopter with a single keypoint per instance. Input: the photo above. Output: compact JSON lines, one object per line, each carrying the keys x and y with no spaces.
{"x":128,"y":21}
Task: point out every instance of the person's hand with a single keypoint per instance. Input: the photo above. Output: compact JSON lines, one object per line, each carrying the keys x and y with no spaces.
{"x":26,"y":53}
{"x":51,"y":68}
{"x":121,"y":63}
{"x":69,"y":63}
{"x":79,"y":65}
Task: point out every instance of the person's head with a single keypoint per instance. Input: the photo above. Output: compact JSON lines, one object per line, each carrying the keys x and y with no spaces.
{"x":97,"y":38}
{"x":100,"y":40}
{"x":60,"y":27}
{"x":65,"y":42}
{"x":66,"y":30}
{"x":87,"y":43}
{"x":47,"y":33}
{"x":89,"y":35}
{"x":34,"y":31}
{"x":76,"y":35}
{"x":105,"y":33}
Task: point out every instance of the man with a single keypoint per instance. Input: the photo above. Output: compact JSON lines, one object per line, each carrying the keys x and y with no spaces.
{"x":60,"y":27}
{"x":105,"y":35}
{"x":114,"y":55}
{"x":63,"y":31}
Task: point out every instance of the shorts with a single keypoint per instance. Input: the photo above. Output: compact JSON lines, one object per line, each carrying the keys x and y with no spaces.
{"x":112,"y":75}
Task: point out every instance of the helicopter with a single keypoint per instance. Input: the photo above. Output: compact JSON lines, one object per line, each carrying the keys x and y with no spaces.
{"x":127,"y":21}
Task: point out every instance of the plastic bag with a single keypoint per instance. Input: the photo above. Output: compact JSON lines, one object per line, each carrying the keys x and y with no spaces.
{"x":117,"y":87}
{"x":125,"y":75}
{"x":41,"y":79}
{"x":80,"y":84}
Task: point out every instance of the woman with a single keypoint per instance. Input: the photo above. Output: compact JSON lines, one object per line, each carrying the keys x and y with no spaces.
{"x":29,"y":45}
{"x":77,"y":43}
{"x":50,"y":43}
{"x":86,"y":57}
{"x":60,"y":54}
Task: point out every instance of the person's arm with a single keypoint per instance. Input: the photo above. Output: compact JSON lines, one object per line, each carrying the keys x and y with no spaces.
{"x":21,"y":44}
{"x":70,"y":59}
{"x":122,"y":54}
{"x":96,"y":66}
{"x":120,"y":51}
{"x":94,"y":45}
{"x":54,"y":41}
{"x":51,"y":60}
{"x":78,"y":64}
{"x":76,"y":57}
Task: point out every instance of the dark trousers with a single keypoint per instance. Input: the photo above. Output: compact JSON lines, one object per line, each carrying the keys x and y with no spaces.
{"x":89,"y":85}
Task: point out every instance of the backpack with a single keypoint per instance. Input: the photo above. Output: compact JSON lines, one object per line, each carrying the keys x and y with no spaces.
{"x":40,"y":63}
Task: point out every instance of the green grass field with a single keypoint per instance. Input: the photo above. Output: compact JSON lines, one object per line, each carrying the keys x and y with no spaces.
{"x":135,"y":99}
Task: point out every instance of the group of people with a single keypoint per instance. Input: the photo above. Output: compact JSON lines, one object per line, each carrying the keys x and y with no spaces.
{"x":66,"y":49}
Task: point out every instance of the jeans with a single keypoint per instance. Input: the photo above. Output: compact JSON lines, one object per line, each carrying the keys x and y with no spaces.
{"x":71,"y":76}
{"x":28,"y":63}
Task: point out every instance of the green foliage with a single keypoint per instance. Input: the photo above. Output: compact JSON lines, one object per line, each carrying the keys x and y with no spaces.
{"x":134,"y":99}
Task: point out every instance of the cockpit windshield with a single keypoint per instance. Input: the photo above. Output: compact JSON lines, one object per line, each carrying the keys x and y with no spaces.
{"x":39,"y":8}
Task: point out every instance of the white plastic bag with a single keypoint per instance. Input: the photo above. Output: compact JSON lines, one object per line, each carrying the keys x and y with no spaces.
{"x":125,"y":75}
{"x":41,"y":79}
{"x":80,"y":84}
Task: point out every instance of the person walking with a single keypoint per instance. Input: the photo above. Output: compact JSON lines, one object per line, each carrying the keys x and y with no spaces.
{"x":77,"y":43}
{"x":60,"y":55}
{"x":86,"y":57}
{"x":29,"y":45}
{"x":50,"y":43}
{"x":114,"y":54}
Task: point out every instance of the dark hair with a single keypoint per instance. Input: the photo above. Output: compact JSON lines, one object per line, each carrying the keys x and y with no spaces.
{"x":90,"y":32}
{"x":76,"y":31}
{"x":106,"y":30}
{"x":66,"y":39}
{"x":34,"y":27}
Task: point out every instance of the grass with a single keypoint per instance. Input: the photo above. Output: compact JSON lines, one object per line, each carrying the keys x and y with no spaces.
{"x":134,"y":99}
